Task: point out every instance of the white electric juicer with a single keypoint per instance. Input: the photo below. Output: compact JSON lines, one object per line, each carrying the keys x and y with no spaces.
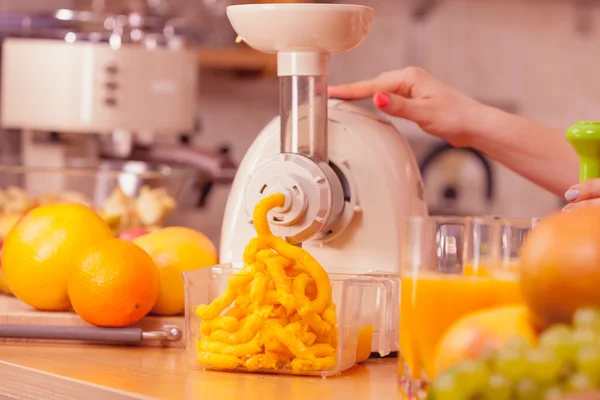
{"x":349,"y":178}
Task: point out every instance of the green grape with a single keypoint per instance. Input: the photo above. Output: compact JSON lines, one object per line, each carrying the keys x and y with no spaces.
{"x":517,"y":343}
{"x":544,"y":365}
{"x":512,"y":365}
{"x":447,"y":387}
{"x":472,"y":376}
{"x":554,"y":393}
{"x":527,"y":389}
{"x":587,"y":318}
{"x":584,"y":337}
{"x":498,"y":388}
{"x":588,"y":361}
{"x":559,"y":339}
{"x":579,"y":383}
{"x":488,"y":357}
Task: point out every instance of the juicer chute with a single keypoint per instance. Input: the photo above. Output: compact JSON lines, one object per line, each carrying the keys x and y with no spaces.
{"x":314,"y":192}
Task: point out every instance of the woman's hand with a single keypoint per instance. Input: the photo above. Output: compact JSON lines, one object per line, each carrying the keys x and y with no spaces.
{"x":412,"y":93}
{"x":526,"y":147}
{"x":583,"y":194}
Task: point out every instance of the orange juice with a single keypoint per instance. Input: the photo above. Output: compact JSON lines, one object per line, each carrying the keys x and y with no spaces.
{"x":504,"y":291}
{"x":431,"y":302}
{"x":504,"y":286}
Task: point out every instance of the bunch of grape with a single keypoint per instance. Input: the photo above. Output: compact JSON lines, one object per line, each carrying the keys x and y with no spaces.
{"x":566,"y":360}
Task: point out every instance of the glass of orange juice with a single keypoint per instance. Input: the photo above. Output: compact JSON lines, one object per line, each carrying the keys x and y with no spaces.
{"x":451,"y":267}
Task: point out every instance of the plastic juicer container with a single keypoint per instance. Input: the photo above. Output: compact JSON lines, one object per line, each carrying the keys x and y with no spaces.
{"x":365,"y":305}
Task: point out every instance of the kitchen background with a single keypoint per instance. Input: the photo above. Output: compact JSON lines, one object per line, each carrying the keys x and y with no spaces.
{"x":537,"y":58}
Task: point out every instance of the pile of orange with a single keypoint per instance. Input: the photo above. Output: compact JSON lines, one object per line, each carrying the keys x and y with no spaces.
{"x":64,"y":256}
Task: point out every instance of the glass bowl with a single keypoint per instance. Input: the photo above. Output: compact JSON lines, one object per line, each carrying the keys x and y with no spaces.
{"x":364,"y":304}
{"x":128,"y":194}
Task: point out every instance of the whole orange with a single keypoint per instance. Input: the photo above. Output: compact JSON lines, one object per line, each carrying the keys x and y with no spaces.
{"x":560,"y":265}
{"x":481,"y":331}
{"x":39,"y":251}
{"x":175,"y":250}
{"x":7,"y":222}
{"x":114,"y":284}
{"x":4,"y":288}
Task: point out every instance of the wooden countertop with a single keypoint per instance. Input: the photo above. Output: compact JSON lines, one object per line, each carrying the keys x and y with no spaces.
{"x":60,"y":372}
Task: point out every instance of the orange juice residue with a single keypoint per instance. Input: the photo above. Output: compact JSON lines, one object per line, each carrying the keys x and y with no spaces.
{"x":363,"y":347}
{"x":431,"y":302}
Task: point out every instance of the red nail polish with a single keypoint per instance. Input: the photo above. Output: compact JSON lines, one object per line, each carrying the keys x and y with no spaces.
{"x":382,"y":100}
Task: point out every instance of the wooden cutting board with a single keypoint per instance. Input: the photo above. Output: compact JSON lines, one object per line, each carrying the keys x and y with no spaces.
{"x":13,"y":311}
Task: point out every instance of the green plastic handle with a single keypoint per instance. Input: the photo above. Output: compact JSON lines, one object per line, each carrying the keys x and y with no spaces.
{"x":584,"y":136}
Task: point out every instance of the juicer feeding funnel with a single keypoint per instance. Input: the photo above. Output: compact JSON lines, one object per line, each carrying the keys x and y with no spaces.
{"x":302,"y":35}
{"x":303,"y":52}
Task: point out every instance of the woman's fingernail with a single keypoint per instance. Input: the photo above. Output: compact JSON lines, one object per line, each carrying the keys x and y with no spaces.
{"x":572,"y":194}
{"x":568,"y":208}
{"x":382,"y":100}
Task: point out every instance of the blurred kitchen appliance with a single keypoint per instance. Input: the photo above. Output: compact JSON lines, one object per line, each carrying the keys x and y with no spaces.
{"x":349,"y":178}
{"x":91,"y":85}
{"x":458,"y":181}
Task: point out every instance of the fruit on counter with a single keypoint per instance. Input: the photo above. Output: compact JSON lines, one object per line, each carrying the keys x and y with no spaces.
{"x":38,"y":253}
{"x":114,"y":283}
{"x":14,"y":200}
{"x":7,"y":222}
{"x":64,"y":197}
{"x":114,"y":221}
{"x":151,"y":207}
{"x":175,"y":250}
{"x":4,"y":288}
{"x":133,"y":233}
{"x":559,"y":265}
{"x":279,"y":320}
{"x":3,"y":285}
{"x":481,"y":332}
{"x":565,"y":360}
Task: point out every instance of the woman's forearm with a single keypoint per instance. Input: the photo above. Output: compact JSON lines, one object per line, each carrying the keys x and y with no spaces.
{"x":535,"y":151}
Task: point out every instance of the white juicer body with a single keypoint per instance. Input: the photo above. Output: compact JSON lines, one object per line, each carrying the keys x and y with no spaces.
{"x":348,"y":214}
{"x":385,"y":187}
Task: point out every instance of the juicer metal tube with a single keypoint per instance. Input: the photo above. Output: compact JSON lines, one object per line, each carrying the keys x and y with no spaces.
{"x":303,"y":111}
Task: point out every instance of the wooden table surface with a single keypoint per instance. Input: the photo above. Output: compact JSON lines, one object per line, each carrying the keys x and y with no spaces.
{"x":59,"y":372}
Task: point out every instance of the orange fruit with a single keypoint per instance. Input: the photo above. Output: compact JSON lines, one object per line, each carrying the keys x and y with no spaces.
{"x":481,"y":331}
{"x":7,"y":222}
{"x":559,"y":265}
{"x":4,"y":288}
{"x":175,"y":250}
{"x":39,"y":251}
{"x":114,"y":284}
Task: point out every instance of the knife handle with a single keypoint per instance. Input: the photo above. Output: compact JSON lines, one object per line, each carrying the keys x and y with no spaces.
{"x":129,"y":335}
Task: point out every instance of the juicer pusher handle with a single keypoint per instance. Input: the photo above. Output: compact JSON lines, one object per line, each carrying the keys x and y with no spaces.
{"x":96,"y":334}
{"x":584,"y":137}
